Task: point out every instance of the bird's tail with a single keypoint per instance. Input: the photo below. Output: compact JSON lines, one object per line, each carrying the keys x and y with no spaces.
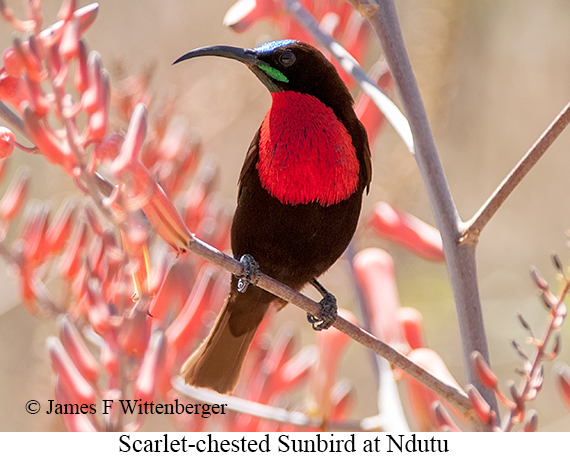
{"x":217,"y":363}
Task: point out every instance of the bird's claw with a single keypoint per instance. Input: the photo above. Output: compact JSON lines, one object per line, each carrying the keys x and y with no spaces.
{"x":250,"y":274}
{"x":328,"y":313}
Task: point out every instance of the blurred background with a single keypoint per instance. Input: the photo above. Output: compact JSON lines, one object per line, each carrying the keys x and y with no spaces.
{"x":493,"y":76}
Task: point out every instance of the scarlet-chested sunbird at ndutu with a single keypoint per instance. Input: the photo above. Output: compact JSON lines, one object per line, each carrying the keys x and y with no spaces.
{"x":299,"y":197}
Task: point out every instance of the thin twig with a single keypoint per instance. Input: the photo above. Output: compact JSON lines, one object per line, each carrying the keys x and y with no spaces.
{"x":382,"y":16}
{"x":273,"y":413}
{"x":527,"y":381}
{"x":15,"y":121}
{"x":490,"y":207}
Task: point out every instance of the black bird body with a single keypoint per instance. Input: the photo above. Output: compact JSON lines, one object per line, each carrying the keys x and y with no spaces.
{"x":299,"y":198}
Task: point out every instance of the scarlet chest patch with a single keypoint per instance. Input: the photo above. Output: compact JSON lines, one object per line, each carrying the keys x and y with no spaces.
{"x":305,"y":153}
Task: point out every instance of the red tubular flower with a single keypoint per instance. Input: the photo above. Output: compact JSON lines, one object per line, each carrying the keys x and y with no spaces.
{"x":60,"y":227}
{"x":28,"y":287}
{"x":420,"y":398}
{"x":374,"y":272}
{"x":442,"y":419}
{"x":78,"y":352}
{"x":195,"y":197}
{"x":94,"y":254}
{"x":297,"y":368}
{"x":109,"y":360}
{"x":134,"y":332}
{"x":531,"y":424}
{"x":81,"y":76}
{"x":34,"y":233}
{"x":92,"y":96}
{"x":412,"y":325}
{"x":73,"y":422}
{"x":481,"y":407}
{"x":175,"y":158}
{"x":331,"y":345}
{"x":15,"y":195}
{"x":343,"y":400}
{"x":265,"y":382}
{"x":158,"y":208}
{"x":12,"y":89}
{"x":484,"y":372}
{"x":244,"y":13}
{"x":69,"y":46}
{"x":109,"y":147}
{"x":98,"y":120}
{"x":66,"y":10}
{"x":75,"y":385}
{"x":13,"y":65}
{"x":407,"y":231}
{"x":29,"y":55}
{"x":49,"y":146}
{"x":187,"y":324}
{"x":86,"y":16}
{"x":563,"y":384}
{"x":98,"y":310}
{"x":37,"y":98}
{"x":71,"y":259}
{"x":151,"y":367}
{"x":174,"y":291}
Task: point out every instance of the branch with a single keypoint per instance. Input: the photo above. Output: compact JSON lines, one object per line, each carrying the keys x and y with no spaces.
{"x":491,"y":206}
{"x":13,"y":119}
{"x":382,"y":16}
{"x":274,"y":413}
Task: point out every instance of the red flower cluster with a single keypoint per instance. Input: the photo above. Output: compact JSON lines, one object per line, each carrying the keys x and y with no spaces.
{"x":130,"y":308}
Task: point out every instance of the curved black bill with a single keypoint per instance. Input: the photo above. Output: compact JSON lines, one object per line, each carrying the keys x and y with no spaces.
{"x":246,"y":56}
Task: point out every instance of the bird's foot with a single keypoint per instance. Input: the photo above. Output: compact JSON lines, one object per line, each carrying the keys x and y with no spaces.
{"x":329,"y":309}
{"x":250,"y":274}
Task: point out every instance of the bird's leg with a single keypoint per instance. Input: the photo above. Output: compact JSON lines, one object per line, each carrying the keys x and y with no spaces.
{"x":328,"y":309}
{"x":250,"y":274}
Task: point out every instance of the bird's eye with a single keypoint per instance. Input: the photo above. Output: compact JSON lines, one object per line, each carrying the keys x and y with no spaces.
{"x":287,"y":59}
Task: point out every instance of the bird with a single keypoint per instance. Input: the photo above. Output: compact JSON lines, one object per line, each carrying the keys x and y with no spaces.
{"x":299,"y":198}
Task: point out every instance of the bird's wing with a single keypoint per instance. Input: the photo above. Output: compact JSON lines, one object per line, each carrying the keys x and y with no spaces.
{"x":250,"y":161}
{"x":366,"y":157}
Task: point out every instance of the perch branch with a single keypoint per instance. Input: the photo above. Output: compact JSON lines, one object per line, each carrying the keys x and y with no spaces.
{"x":490,"y":207}
{"x":460,"y":258}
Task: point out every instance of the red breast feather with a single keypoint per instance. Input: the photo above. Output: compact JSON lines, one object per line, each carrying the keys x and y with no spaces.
{"x":305,"y":153}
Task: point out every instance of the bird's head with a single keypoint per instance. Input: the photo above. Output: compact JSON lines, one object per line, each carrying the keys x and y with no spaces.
{"x":285,"y":65}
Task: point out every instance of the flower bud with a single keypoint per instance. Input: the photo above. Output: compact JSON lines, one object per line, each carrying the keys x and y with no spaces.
{"x":146,"y":382}
{"x":69,"y":46}
{"x":407,"y":231}
{"x":75,"y":346}
{"x":12,"y":89}
{"x":481,"y":407}
{"x":12,"y":62}
{"x":7,"y":142}
{"x":60,"y":228}
{"x":78,"y":389}
{"x":374,"y":271}
{"x":484,"y":372}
